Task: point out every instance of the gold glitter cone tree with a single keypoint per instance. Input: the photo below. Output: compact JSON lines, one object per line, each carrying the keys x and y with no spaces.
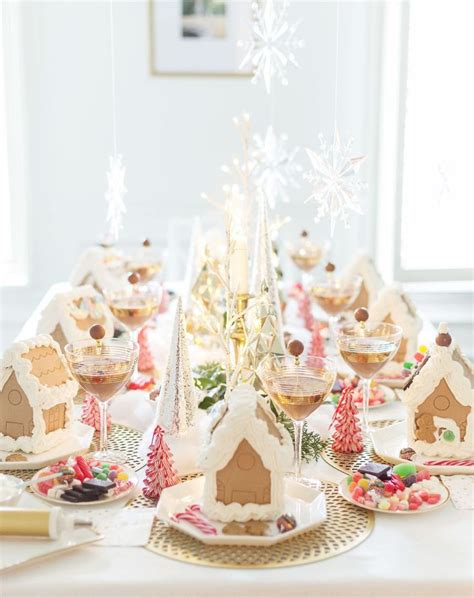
{"x":263,"y":271}
{"x":263,"y":338}
{"x":176,"y":410}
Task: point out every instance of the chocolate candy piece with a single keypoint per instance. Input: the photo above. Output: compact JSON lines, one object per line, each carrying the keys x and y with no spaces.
{"x":378,"y":470}
{"x":97,"y":332}
{"x":147,"y":243}
{"x":88,"y":492}
{"x":304,"y":233}
{"x":330,"y":267}
{"x":295,"y":348}
{"x":409,"y":480}
{"x":99,"y":485}
{"x":361,"y":314}
{"x":407,"y":453}
{"x":71,"y":496}
{"x":286,"y":523}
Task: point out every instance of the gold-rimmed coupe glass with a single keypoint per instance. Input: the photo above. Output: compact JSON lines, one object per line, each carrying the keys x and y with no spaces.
{"x":298,"y":385}
{"x":102,"y":369}
{"x":134,"y":305}
{"x":366,"y":347}
{"x":306,"y":255}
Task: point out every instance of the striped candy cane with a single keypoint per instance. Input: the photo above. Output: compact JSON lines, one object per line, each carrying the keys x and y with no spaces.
{"x":192,"y":515}
{"x":450,"y":462}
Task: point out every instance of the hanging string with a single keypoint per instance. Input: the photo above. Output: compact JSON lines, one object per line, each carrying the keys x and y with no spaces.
{"x":114,"y":98}
{"x":336,"y":67}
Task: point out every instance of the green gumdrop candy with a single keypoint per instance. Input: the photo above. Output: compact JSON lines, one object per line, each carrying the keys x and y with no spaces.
{"x":102,"y":476}
{"x":448,"y":435}
{"x":349,"y":480}
{"x":404,"y":469}
{"x":408,"y":365}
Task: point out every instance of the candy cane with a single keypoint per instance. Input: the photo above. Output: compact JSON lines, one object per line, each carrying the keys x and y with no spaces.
{"x":190,"y":515}
{"x":453,"y":462}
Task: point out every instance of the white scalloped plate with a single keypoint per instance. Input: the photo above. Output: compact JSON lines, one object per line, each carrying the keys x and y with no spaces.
{"x":425,"y":508}
{"x":390,"y":440}
{"x":78,"y":443}
{"x":306,"y":504}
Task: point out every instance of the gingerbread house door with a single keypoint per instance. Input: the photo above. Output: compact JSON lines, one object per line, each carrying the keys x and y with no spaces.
{"x":16,"y":414}
{"x":244,"y":479}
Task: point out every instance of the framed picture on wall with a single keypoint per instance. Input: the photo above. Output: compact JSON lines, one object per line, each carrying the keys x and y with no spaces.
{"x":198,"y":37}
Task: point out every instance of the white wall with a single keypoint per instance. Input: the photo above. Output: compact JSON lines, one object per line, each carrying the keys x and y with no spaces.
{"x":174,"y":133}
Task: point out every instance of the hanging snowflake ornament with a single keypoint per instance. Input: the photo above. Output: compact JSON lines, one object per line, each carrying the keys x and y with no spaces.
{"x":334,"y":181}
{"x":114,"y":197}
{"x":275,"y":166}
{"x":271,"y":49}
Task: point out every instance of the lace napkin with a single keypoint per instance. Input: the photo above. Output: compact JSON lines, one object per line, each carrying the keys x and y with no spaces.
{"x":461,"y":488}
{"x":121,"y":527}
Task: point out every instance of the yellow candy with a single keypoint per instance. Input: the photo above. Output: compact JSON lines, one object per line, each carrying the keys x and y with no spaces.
{"x":122,"y":476}
{"x":363,"y":484}
{"x":423,"y":349}
{"x":394,"y":498}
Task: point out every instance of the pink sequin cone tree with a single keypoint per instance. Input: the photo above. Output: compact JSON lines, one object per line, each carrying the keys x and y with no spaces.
{"x":347,"y":436}
{"x":317,"y":342}
{"x":145,"y":358}
{"x":91,"y":413}
{"x":160,"y":472}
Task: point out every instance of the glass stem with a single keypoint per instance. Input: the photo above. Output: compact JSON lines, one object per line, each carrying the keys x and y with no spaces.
{"x":333,"y":321}
{"x":366,"y":383}
{"x":103,"y":405}
{"x":298,"y":426}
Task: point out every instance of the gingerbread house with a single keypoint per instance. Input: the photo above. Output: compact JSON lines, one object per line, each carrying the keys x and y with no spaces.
{"x":440,"y":402}
{"x":246,"y":456}
{"x":101,"y":266}
{"x":362,"y":265}
{"x":393,"y":306}
{"x":36,"y":396}
{"x":69,"y":315}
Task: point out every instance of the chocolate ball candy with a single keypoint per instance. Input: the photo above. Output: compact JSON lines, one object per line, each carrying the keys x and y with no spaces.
{"x":330,"y":267}
{"x":97,"y":332}
{"x":407,"y":453}
{"x":443,"y":339}
{"x":295,"y":348}
{"x":147,"y":243}
{"x":286,"y":523}
{"x":134,"y":278}
{"x":304,"y":233}
{"x":361,"y":314}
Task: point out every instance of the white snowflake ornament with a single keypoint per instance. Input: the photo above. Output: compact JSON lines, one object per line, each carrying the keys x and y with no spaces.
{"x":114,"y":197}
{"x":271,"y":49}
{"x":334,"y":181}
{"x":275,"y":166}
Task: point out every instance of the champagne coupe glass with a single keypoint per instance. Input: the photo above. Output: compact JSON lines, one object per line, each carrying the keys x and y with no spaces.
{"x":335,"y":295}
{"x":306,"y":255}
{"x":146,"y":263}
{"x":366,"y":347}
{"x":102,"y":367}
{"x":134,"y":304}
{"x":298,"y":385}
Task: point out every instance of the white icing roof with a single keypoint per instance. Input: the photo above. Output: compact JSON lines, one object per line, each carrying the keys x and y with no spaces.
{"x":392,"y":301}
{"x":39,"y":395}
{"x":59,"y":309}
{"x":363,"y":265}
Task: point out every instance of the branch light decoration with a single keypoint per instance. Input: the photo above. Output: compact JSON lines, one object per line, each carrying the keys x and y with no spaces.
{"x":271,"y":49}
{"x":333,"y":173}
{"x":116,"y":189}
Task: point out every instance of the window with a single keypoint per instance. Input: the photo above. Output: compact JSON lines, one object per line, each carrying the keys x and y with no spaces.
{"x":13,"y":232}
{"x":427,"y":132}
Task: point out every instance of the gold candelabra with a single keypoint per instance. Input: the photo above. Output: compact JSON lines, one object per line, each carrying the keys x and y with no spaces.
{"x":238,"y":334}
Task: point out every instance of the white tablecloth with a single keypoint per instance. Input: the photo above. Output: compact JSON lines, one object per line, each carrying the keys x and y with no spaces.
{"x":421,"y":555}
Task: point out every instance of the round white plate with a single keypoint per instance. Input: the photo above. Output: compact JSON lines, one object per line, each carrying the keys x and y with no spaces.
{"x":425,"y":508}
{"x":389,"y":441}
{"x":78,"y":443}
{"x":306,"y":504}
{"x":132,"y":476}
